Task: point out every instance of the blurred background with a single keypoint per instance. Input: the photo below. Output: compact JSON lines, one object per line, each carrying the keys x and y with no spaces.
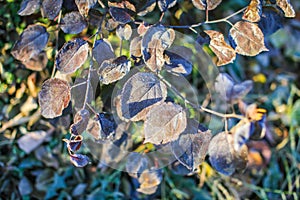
{"x":34,"y":162}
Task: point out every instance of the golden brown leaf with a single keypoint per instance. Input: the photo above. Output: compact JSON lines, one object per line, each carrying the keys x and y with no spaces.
{"x":253,"y":11}
{"x":201,"y":4}
{"x":248,"y":37}
{"x":286,"y":7}
{"x":225,"y":53}
{"x":54,"y":97}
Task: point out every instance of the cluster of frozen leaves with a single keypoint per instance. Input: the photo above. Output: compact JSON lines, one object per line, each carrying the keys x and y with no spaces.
{"x":143,"y":95}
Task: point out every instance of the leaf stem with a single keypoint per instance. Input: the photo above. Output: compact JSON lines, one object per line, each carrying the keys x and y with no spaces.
{"x":222,"y":115}
{"x":56,"y":41}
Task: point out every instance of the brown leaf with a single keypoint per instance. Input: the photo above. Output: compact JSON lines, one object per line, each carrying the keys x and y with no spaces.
{"x":155,"y":41}
{"x":54,"y":97}
{"x":135,"y":47}
{"x":164,"y":123}
{"x":286,"y":7}
{"x":123,"y":4}
{"x":31,"y":140}
{"x":149,"y":180}
{"x":72,"y":55}
{"x":74,"y":143}
{"x":37,"y":63}
{"x":32,"y":41}
{"x":253,"y":11}
{"x":81,"y":120}
{"x":113,"y":69}
{"x":248,"y":37}
{"x":140,"y":92}
{"x":224,"y":52}
{"x":124,"y":32}
{"x":201,"y":4}
{"x":84,"y":6}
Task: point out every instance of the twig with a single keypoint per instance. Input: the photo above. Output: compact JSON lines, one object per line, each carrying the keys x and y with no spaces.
{"x":56,"y":41}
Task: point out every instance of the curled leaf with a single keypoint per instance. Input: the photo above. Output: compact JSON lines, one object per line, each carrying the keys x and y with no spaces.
{"x":28,"y":7}
{"x":51,"y":8}
{"x":79,"y":160}
{"x":32,"y":41}
{"x":191,"y":147}
{"x":73,"y":23}
{"x":102,"y":51}
{"x":54,"y":97}
{"x":253,"y":11}
{"x":81,"y":120}
{"x":224,"y":52}
{"x":149,"y":181}
{"x":248,"y":38}
{"x":155,"y":41}
{"x":140,"y":92}
{"x":164,"y":5}
{"x":286,"y":7}
{"x":223,"y":157}
{"x":72,"y":55}
{"x":124,"y":32}
{"x":113,"y":69}
{"x":164,"y":123}
{"x":120,"y":15}
{"x":74,"y":144}
{"x":203,"y":4}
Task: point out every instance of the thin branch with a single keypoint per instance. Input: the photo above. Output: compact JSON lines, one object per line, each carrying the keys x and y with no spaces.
{"x":56,"y":41}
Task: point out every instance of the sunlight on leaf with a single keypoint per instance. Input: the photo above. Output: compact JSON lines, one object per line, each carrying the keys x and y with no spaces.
{"x":124,"y":32}
{"x":164,"y":123}
{"x":253,"y":11}
{"x":224,"y":52}
{"x":149,"y":181}
{"x":287,"y":8}
{"x":54,"y":97}
{"x":248,"y":38}
{"x":79,"y":160}
{"x":202,"y":4}
{"x":74,"y":144}
{"x":164,"y":5}
{"x":81,"y":120}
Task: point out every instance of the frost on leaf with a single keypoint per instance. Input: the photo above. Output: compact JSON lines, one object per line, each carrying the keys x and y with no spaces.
{"x":224,"y":52}
{"x":178,"y":60}
{"x":32,"y":41}
{"x":140,"y":92}
{"x":191,"y":147}
{"x":71,"y":56}
{"x":286,"y":7}
{"x":253,"y":11}
{"x":51,"y":8}
{"x":248,"y":37}
{"x":107,"y":126}
{"x":74,"y":144}
{"x":79,"y":160}
{"x":147,"y":8}
{"x":54,"y":97}
{"x":223,"y":157}
{"x":124,"y":32}
{"x":113,"y":69}
{"x":28,"y":7}
{"x":81,"y":120}
{"x":164,"y":5}
{"x":155,"y":41}
{"x":84,"y":6}
{"x":149,"y":181}
{"x":135,"y":49}
{"x":120,"y":15}
{"x":164,"y":123}
{"x":102,"y":51}
{"x":203,"y":4}
{"x":136,"y":164}
{"x":123,"y":4}
{"x":230,"y":91}
{"x":73,"y":23}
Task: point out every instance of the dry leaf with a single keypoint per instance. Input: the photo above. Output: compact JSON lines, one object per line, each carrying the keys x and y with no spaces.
{"x":84,"y":6}
{"x":202,"y":4}
{"x":31,"y":140}
{"x":81,"y":120}
{"x":113,"y":69}
{"x":164,"y":123}
{"x":54,"y":97}
{"x":124,"y":32}
{"x":248,"y":38}
{"x":37,"y":63}
{"x":149,"y":7}
{"x":164,"y":5}
{"x":140,"y":92}
{"x":72,"y":55}
{"x":253,"y":11}
{"x":120,"y":15}
{"x":287,"y":8}
{"x":73,"y":23}
{"x":32,"y":41}
{"x":28,"y":7}
{"x":102,"y":51}
{"x":51,"y":8}
{"x":225,"y":53}
{"x":154,"y":43}
{"x":149,"y":180}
